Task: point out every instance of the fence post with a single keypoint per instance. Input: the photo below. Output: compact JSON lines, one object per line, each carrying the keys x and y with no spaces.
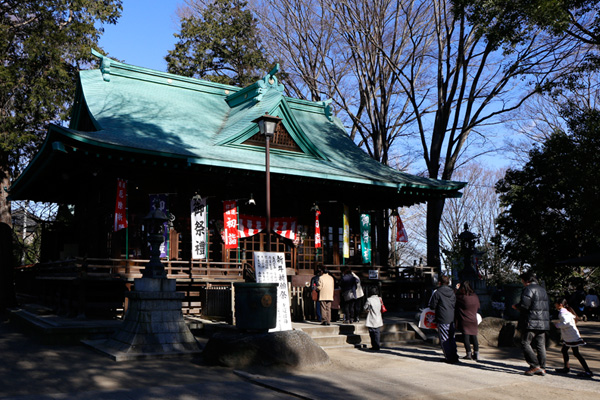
{"x":232,"y":291}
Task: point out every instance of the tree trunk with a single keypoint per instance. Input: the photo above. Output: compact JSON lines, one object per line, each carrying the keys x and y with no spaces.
{"x":7,"y":267}
{"x":434,"y":217}
{"x":5,"y":216}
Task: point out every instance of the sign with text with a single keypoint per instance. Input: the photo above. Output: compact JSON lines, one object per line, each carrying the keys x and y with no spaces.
{"x":230,"y":223}
{"x":317,"y":230}
{"x":199,"y":213}
{"x":270,"y":268}
{"x":121,"y":205}
{"x":365,"y":238}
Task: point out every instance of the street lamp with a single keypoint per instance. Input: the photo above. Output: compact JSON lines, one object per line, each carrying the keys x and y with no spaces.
{"x":155,"y":221}
{"x":267,"y":124}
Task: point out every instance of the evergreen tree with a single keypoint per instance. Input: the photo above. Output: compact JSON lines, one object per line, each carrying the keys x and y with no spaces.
{"x":44,"y":44}
{"x":219,"y":43}
{"x":550,"y":206}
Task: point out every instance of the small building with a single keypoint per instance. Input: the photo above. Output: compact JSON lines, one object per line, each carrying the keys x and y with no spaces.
{"x":173,"y":139}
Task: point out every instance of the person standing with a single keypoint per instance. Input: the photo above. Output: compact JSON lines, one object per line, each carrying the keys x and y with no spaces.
{"x":348,"y":286}
{"x":443,"y":302}
{"x":374,"y":318}
{"x":308,"y":303}
{"x":360,"y":294}
{"x":577,"y":302}
{"x":314,"y":282}
{"x":534,"y":322}
{"x":325,"y":288}
{"x":591,"y":305}
{"x":570,"y":338}
{"x":467,"y":304}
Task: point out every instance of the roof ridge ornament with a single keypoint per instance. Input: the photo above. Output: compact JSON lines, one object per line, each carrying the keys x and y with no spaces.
{"x":104,"y":65}
{"x":271,"y":80}
{"x":327,"y":109}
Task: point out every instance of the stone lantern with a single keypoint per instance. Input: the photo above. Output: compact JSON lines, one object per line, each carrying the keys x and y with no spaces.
{"x":467,"y":242}
{"x":153,"y":325}
{"x":154,"y":223}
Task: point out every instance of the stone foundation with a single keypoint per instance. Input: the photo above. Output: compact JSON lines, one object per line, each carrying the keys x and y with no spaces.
{"x":153,"y":325}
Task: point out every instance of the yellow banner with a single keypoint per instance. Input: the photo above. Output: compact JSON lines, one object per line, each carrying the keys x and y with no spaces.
{"x":346,"y":234}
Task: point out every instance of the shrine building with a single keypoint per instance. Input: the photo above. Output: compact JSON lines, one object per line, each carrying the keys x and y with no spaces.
{"x":162,"y":140}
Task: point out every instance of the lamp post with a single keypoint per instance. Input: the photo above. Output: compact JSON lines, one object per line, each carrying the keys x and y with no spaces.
{"x":154,"y":222}
{"x":266,"y":125}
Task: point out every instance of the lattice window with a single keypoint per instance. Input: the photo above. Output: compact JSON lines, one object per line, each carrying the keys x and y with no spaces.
{"x":281,"y":140}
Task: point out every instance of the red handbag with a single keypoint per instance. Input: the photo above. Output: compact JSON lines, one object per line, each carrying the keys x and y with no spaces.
{"x":383,"y":309}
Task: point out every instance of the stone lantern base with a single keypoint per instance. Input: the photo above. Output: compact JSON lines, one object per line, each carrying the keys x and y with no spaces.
{"x":153,"y":325}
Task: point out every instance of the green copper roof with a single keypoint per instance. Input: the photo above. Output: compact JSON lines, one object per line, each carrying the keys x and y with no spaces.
{"x":140,"y":110}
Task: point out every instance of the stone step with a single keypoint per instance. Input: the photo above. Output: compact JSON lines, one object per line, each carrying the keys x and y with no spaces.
{"x":348,"y":329}
{"x":358,"y":335}
{"x":386,"y":338}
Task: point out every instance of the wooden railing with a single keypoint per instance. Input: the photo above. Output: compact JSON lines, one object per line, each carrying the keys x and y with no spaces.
{"x":180,"y":270}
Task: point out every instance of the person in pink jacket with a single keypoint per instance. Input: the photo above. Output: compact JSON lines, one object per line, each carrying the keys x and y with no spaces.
{"x":570,"y":338}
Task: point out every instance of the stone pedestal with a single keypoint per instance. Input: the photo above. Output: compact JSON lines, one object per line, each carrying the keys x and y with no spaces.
{"x":153,"y":325}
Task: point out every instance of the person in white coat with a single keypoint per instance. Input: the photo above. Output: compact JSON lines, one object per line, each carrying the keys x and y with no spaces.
{"x":359,"y":298}
{"x":374,"y":318}
{"x":570,"y":338}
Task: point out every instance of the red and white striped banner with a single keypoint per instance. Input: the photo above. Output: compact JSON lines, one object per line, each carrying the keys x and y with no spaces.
{"x":230,"y":224}
{"x":285,"y":227}
{"x":401,"y":235}
{"x":120,"y":206}
{"x":249,"y":225}
{"x":318,"y":243}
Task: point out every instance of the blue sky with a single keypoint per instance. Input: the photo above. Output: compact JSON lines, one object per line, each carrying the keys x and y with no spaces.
{"x":144,"y":33}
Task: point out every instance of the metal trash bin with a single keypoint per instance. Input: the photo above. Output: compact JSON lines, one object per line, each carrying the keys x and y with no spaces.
{"x":255,"y":306}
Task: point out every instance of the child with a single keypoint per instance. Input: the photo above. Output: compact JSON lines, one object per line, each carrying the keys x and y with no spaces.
{"x":374,"y":319}
{"x":570,"y":337}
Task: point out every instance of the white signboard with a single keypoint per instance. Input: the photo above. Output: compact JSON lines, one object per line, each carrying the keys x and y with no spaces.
{"x":270,"y":268}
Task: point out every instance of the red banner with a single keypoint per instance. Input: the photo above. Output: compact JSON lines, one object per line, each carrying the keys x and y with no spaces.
{"x":120,"y":206}
{"x":401,"y":235}
{"x":317,"y":230}
{"x":230,"y":223}
{"x":250,"y":225}
{"x":285,"y":227}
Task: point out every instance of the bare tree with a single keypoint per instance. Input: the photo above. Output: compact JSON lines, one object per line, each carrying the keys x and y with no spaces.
{"x":419,"y":68}
{"x":479,"y":207}
{"x":28,"y":218}
{"x":474,"y":83}
{"x":543,"y":114}
{"x":326,"y":54}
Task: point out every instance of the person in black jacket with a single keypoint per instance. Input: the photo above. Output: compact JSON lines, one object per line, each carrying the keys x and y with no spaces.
{"x":534,"y":322}
{"x":443,"y":301}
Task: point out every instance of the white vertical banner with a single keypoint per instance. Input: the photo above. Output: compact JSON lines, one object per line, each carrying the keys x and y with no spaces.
{"x":199,"y":213}
{"x":270,"y":268}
